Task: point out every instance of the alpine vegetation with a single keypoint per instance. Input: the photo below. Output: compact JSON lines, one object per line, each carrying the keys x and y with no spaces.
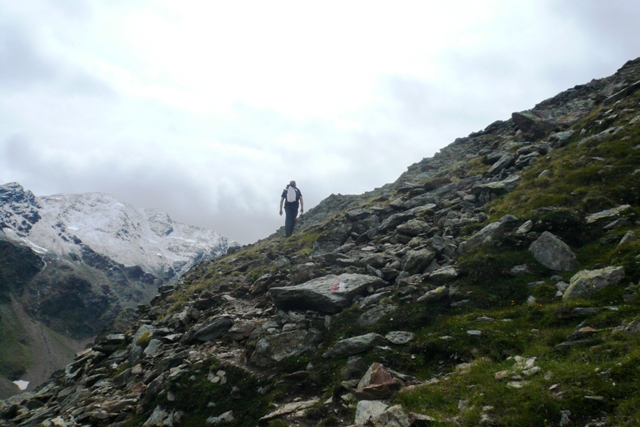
{"x":496,"y":283}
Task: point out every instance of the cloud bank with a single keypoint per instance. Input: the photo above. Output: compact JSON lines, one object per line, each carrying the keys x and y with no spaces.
{"x":207,"y":110}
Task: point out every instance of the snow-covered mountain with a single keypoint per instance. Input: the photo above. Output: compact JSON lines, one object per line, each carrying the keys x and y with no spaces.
{"x":74,"y":225}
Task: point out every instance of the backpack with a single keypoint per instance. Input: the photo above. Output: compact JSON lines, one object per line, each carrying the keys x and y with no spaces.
{"x":292,"y":194}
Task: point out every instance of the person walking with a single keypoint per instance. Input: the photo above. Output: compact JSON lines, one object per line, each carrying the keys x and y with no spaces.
{"x":291,"y":199}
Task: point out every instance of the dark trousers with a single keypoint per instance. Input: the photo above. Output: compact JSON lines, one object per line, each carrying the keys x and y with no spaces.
{"x":290,"y":221}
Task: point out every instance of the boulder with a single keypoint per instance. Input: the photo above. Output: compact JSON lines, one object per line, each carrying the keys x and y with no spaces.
{"x":586,"y":283}
{"x":153,"y":347}
{"x":214,"y":329}
{"x":413,"y":227}
{"x":489,"y":235}
{"x":303,"y":272}
{"x":394,"y":416}
{"x":444,"y":275}
{"x":377,"y":383}
{"x":531,"y":124}
{"x":354,"y":345}
{"x":504,"y":162}
{"x":367,"y":410}
{"x":553,"y":253}
{"x":328,"y":294}
{"x":241,"y":330}
{"x":395,"y":220}
{"x":373,"y":315}
{"x":416,"y":261}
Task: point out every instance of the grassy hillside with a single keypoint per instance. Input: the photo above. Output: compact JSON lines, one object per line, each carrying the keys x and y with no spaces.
{"x":461,"y":321}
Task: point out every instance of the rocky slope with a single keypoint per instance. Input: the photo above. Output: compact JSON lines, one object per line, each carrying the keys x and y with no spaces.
{"x":70,"y":263}
{"x":493,"y":284}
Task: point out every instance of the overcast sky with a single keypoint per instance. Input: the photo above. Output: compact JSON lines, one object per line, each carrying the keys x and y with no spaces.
{"x":206,"y":109}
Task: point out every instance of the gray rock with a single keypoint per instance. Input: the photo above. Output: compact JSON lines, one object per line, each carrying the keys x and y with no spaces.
{"x":620,"y":222}
{"x":367,"y":410}
{"x":226,"y":417}
{"x":608,"y":213}
{"x":373,"y":299}
{"x":328,"y":294}
{"x":553,"y":253}
{"x":143,"y":329}
{"x":413,"y":227}
{"x":417,"y":261}
{"x":394,"y":220}
{"x":358,"y":214}
{"x":215,"y":329}
{"x":504,"y":162}
{"x":399,"y":337}
{"x":494,"y":156}
{"x":271,"y":349}
{"x":525,"y":228}
{"x":586,"y":283}
{"x":435,"y":294}
{"x":153,"y":347}
{"x":158,"y":418}
{"x":531,"y":124}
{"x":560,"y":138}
{"x":373,"y":315}
{"x":241,"y":330}
{"x":488,"y":236}
{"x":394,"y":416}
{"x":444,"y":275}
{"x":499,"y":187}
{"x":373,"y":260}
{"x":629,"y":237}
{"x":354,"y":345}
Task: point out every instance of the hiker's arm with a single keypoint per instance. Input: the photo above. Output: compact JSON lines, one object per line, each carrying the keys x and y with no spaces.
{"x":281,"y":202}
{"x":301,"y":205}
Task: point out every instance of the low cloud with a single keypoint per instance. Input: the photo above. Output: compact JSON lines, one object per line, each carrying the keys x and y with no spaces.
{"x":21,"y":62}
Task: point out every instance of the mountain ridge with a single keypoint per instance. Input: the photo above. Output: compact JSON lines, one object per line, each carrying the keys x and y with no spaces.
{"x":495,"y":283}
{"x":71,"y":263}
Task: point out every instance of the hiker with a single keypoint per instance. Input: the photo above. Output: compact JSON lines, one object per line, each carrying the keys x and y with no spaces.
{"x":291,"y":198}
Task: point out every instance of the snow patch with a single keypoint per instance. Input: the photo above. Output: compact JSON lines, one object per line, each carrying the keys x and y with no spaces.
{"x":37,"y":249}
{"x":22,"y":385}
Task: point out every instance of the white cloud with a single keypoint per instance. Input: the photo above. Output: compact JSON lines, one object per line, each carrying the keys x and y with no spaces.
{"x":207,"y":109}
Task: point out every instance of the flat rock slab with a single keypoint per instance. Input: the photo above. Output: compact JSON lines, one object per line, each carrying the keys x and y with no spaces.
{"x":586,"y":283}
{"x":290,"y":408}
{"x":355,"y":345}
{"x":329,"y":294}
{"x":214,"y":329}
{"x":606,"y":214}
{"x":399,"y":337}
